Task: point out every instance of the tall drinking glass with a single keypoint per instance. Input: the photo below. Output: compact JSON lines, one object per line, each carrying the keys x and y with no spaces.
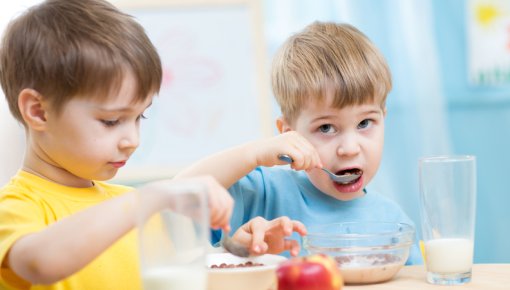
{"x":447,"y":207}
{"x":174,"y":240}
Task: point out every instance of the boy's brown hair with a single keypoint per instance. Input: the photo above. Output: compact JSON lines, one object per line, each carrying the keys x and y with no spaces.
{"x":324,"y":57}
{"x":73,"y":48}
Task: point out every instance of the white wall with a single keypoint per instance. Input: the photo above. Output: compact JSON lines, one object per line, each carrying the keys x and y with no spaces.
{"x":12,"y":140}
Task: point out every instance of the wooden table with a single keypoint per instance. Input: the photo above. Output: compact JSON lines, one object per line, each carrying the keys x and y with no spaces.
{"x":485,"y":277}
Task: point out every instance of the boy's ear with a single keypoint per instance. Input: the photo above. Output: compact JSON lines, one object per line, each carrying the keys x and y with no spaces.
{"x":32,"y":109}
{"x":384,"y":112}
{"x":282,"y":125}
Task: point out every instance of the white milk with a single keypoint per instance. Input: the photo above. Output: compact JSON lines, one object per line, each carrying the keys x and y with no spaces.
{"x":449,"y":255}
{"x":191,"y":278}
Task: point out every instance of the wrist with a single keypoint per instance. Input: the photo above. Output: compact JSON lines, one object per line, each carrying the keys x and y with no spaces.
{"x":250,"y":153}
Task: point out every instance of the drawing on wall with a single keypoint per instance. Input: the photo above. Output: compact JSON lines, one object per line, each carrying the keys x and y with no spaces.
{"x":489,"y":42}
{"x":211,"y":96}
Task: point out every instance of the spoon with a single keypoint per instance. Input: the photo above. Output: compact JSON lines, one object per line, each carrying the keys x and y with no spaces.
{"x":233,"y":247}
{"x":344,"y":178}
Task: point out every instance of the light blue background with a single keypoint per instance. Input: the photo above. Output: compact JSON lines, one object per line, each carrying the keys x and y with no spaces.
{"x":479,"y":124}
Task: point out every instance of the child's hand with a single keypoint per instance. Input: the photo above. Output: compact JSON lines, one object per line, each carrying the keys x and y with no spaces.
{"x":263,"y":236}
{"x":302,"y":152}
{"x":221,"y":203}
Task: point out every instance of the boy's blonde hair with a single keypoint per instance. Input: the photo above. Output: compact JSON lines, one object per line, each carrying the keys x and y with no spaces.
{"x":74,"y":48}
{"x":325,"y":57}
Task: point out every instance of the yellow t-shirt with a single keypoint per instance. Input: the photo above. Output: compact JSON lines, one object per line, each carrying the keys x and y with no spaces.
{"x":29,"y":204}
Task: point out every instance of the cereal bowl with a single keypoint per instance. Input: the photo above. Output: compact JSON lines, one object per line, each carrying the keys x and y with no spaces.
{"x":229,"y":272}
{"x":366,"y":252}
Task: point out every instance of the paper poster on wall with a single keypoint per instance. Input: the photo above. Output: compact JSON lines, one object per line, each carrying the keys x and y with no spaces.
{"x":214,"y":91}
{"x":488,"y":27}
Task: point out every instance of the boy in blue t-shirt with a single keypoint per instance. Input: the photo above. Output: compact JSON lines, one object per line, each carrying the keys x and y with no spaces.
{"x":331,"y":84}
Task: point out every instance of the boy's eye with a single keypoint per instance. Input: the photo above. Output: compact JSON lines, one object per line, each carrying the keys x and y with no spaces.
{"x":364,"y":124}
{"x":110,"y":123}
{"x":326,"y":128}
{"x":142,"y":116}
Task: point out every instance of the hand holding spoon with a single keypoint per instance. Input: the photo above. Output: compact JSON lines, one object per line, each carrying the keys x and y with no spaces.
{"x":344,"y":178}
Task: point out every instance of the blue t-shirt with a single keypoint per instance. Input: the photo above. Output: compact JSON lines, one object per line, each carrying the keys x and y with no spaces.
{"x":273,"y":192}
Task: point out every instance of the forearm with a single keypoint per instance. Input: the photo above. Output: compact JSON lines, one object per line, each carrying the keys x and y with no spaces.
{"x":226,"y":167}
{"x":230,"y":165}
{"x":68,"y":245}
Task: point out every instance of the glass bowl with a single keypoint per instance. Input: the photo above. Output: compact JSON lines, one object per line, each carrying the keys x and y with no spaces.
{"x":366,"y":252}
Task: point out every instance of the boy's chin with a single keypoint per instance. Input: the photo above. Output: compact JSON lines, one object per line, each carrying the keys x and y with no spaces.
{"x":343,"y":193}
{"x":348,"y":196}
{"x":104,"y":176}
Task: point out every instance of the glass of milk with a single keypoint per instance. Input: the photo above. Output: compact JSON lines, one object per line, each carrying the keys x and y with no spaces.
{"x":447,"y":208}
{"x":173,"y":235}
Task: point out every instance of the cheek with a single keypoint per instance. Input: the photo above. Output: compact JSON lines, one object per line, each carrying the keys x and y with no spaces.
{"x":374,"y":157}
{"x":101,"y":143}
{"x":94,"y":143}
{"x":379,"y":145}
{"x":327,"y":153}
{"x":84,"y":139}
{"x":87,"y":142}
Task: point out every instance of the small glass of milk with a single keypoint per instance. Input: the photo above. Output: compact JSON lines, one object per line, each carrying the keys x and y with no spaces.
{"x":173,"y":231}
{"x":447,"y":208}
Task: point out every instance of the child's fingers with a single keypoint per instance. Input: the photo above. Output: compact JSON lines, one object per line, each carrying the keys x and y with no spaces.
{"x":303,"y":157}
{"x":284,"y":223}
{"x":215,"y":216}
{"x":257,"y":228}
{"x":287,"y":226}
{"x":311,"y":156}
{"x":227,"y":208}
{"x":299,"y":227}
{"x":220,"y":218}
{"x":292,"y":246}
{"x":221,"y":204}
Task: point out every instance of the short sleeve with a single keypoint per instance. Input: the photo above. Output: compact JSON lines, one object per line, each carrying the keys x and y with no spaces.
{"x":20,"y":216}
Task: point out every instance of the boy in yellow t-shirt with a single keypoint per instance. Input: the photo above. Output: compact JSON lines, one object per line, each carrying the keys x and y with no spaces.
{"x":79,"y":74}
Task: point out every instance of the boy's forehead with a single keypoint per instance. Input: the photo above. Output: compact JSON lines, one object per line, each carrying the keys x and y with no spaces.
{"x":123,"y":103}
{"x":328,"y":102}
{"x":316,"y":110}
{"x":123,"y":93}
{"x":112,"y":102}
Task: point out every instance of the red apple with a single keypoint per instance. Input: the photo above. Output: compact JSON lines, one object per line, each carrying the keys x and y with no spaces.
{"x":315,"y":272}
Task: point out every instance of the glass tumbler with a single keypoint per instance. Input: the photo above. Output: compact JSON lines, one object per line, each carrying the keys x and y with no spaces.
{"x":447,"y":208}
{"x":173,"y":235}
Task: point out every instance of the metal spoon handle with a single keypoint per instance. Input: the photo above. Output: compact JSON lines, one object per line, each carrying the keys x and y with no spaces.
{"x":285,"y":158}
{"x":233,"y":247}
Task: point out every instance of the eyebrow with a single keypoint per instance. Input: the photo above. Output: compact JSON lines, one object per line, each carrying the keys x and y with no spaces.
{"x":373,"y":112}
{"x":323,"y":118}
{"x":369,"y":112}
{"x":121,"y":109}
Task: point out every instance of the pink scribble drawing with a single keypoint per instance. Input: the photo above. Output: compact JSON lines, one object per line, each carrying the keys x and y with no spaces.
{"x":192,"y":72}
{"x":188,"y":80}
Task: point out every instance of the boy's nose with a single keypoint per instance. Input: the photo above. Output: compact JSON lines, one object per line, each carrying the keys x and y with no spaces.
{"x":348,"y":146}
{"x":130,"y":140}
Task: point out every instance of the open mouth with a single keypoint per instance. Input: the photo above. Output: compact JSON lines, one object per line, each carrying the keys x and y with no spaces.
{"x":354,"y":173}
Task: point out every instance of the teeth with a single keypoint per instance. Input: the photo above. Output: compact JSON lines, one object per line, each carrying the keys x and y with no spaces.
{"x":350,"y":172}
